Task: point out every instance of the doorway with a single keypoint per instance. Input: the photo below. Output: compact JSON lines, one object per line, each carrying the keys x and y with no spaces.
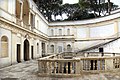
{"x":18,"y":53}
{"x":43,"y":49}
{"x":26,"y":50}
{"x":69,"y":68}
{"x":32,"y":52}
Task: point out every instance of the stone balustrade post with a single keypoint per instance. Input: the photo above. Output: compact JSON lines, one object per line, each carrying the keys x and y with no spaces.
{"x":109,"y":64}
{"x":77,"y":67}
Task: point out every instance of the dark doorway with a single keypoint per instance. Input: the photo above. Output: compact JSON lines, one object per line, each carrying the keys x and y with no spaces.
{"x":101,"y":50}
{"x":43,"y":49}
{"x":69,"y":68}
{"x":26,"y":50}
{"x":64,"y":67}
{"x":18,"y":53}
{"x":32,"y":52}
{"x":91,"y":65}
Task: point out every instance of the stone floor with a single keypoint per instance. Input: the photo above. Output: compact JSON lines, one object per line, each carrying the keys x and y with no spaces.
{"x":28,"y":71}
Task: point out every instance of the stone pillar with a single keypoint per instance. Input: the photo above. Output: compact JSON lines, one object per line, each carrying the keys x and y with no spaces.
{"x":14,"y":48}
{"x":108,"y":64}
{"x":30,"y":49}
{"x":77,"y":67}
{"x":40,"y":48}
{"x":46,"y":48}
{"x":22,"y":48}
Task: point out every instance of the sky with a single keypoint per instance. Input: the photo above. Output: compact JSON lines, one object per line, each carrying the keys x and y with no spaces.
{"x":70,"y":1}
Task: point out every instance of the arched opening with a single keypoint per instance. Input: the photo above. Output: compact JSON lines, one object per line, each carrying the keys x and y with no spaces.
{"x":69,"y":48}
{"x":68,"y":31}
{"x":26,"y":50}
{"x":25,"y":12}
{"x":52,"y":48}
{"x":4,"y":46}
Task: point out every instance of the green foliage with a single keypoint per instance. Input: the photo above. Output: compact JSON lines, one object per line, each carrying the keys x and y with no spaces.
{"x":85,"y":9}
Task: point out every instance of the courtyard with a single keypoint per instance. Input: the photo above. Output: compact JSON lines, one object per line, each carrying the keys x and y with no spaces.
{"x":28,"y":71}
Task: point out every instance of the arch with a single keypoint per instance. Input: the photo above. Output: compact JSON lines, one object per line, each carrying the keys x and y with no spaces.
{"x":26,"y":11}
{"x":4,"y":46}
{"x":52,"y":48}
{"x":68,"y":47}
{"x":26,"y":50}
{"x":68,"y":31}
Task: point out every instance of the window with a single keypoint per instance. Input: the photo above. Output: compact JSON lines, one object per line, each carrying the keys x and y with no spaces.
{"x":4,"y":47}
{"x":52,"y":48}
{"x":60,"y":31}
{"x":52,"y":32}
{"x":37,"y":48}
{"x":68,"y":47}
{"x":59,"y":49}
{"x":68,"y":31}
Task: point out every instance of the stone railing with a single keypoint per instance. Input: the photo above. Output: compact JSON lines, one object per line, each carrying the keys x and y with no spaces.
{"x":60,"y":67}
{"x":102,"y":64}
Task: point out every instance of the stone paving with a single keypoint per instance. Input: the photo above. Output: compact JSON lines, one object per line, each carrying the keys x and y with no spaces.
{"x":28,"y":71}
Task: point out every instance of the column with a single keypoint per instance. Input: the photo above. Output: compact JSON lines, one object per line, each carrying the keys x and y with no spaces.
{"x":46,"y":48}
{"x":22,"y":48}
{"x":13,"y":48}
{"x":77,"y":67}
{"x":108,"y":64}
{"x":30,"y":49}
{"x":66,"y":67}
{"x":40,"y":48}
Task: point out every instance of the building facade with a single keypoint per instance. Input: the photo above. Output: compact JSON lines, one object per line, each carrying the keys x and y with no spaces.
{"x":25,"y":34}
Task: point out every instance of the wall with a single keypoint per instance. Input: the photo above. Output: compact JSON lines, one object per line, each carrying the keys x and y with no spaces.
{"x":7,"y":60}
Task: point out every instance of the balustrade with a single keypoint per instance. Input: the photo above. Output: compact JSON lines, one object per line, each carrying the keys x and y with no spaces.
{"x":77,"y":65}
{"x":62,"y":67}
